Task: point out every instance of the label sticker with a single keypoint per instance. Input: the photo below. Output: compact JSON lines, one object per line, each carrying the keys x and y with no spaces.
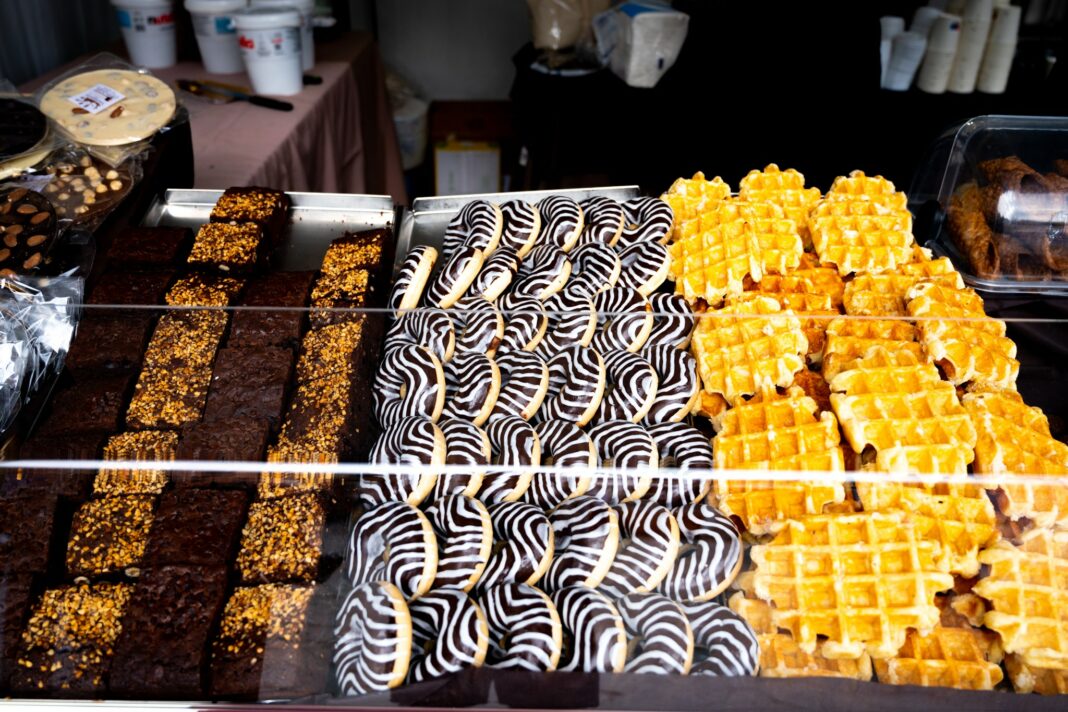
{"x":96,"y":98}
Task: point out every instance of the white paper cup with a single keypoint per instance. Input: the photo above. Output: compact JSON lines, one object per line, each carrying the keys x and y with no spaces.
{"x":213,"y":25}
{"x":905,"y":58}
{"x":307,"y":16}
{"x":270,"y":48}
{"x":148,"y":30}
{"x":976,"y":28}
{"x":1000,"y":50}
{"x":923,"y":19}
{"x":941,"y":51}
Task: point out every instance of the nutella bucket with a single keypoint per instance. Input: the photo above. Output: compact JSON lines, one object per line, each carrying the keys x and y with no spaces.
{"x":148,"y":30}
{"x":213,"y":24}
{"x":271,"y":49}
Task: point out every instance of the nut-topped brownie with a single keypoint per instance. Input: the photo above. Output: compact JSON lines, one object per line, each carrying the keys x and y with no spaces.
{"x":274,"y":641}
{"x":109,"y":535}
{"x":335,"y":293}
{"x":67,"y":646}
{"x":144,"y":446}
{"x":107,"y":343}
{"x":286,"y":291}
{"x":320,"y":417}
{"x":131,"y":288}
{"x":161,"y":652}
{"x":356,"y":250}
{"x":249,"y":383}
{"x":186,"y":338}
{"x":332,"y":350}
{"x":196,"y":527}
{"x":273,"y":484}
{"x":169,"y":397}
{"x":203,"y":290}
{"x":90,"y":405}
{"x":237,"y":440}
{"x":282,"y":540}
{"x":150,"y":247}
{"x":236,"y":249}
{"x":267,"y":207}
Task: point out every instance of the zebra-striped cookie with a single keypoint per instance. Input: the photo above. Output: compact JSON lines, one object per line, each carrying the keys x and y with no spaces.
{"x":576,"y":385}
{"x":625,"y":446}
{"x":464,"y":534}
{"x":594,"y":637}
{"x":645,"y":266}
{"x":449,"y":633}
{"x":630,"y":387}
{"x":649,"y":543}
{"x":409,"y":382}
{"x":411,"y":441}
{"x":472,"y":387}
{"x":678,"y":388}
{"x":393,"y":542}
{"x":542,"y":274}
{"x":522,"y":223}
{"x":523,"y":545}
{"x":711,"y":555}
{"x":659,"y":635}
{"x":373,"y":639}
{"x":496,"y":274}
{"x":430,"y":328}
{"x":646,"y":220}
{"x":524,"y":383}
{"x":467,"y":446}
{"x":586,"y":536}
{"x":726,"y":644}
{"x":561,"y":222}
{"x":624,"y":320}
{"x":479,"y":326}
{"x":525,"y":629}
{"x":478,"y":224}
{"x":514,"y":443}
{"x":572,"y":322}
{"x":454,"y":278}
{"x":525,"y":323}
{"x":563,"y":445}
{"x":673,"y":321}
{"x":684,"y":447}
{"x":595,"y":267}
{"x":411,"y":278}
{"x":604,"y":221}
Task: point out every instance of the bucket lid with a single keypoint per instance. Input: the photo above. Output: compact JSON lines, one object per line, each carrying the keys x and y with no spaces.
{"x":142,"y":4}
{"x":304,"y":6}
{"x":208,"y":7}
{"x":267,"y":18}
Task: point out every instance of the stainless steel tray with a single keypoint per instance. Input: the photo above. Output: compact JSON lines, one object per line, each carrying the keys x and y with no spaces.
{"x":314,"y":220}
{"x":425,"y":223}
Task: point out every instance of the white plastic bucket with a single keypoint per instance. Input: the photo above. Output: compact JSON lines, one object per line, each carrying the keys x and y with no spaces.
{"x":213,"y":25}
{"x":270,"y":48}
{"x":148,"y":30}
{"x":307,"y":16}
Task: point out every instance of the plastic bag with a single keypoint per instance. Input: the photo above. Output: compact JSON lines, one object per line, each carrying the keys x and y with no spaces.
{"x":110,"y":107}
{"x":558,"y":24}
{"x":640,"y":41}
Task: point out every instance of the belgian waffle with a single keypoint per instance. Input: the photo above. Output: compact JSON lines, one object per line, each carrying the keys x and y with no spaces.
{"x":849,"y":339}
{"x":713,"y":264}
{"x":885,"y":294}
{"x":690,"y":197}
{"x":963,"y":658}
{"x":783,"y":188}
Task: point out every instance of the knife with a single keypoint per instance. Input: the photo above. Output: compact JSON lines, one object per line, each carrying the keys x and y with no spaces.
{"x":231,"y":92}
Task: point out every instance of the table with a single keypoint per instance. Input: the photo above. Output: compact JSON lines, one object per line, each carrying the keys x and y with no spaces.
{"x":339,"y":138}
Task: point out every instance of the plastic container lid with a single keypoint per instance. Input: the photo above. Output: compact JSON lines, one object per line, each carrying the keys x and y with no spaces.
{"x":268,"y":18}
{"x":137,"y":4}
{"x":305,"y":6}
{"x":210,"y":7}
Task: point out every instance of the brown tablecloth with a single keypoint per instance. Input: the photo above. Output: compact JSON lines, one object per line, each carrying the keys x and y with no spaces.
{"x":339,"y":138}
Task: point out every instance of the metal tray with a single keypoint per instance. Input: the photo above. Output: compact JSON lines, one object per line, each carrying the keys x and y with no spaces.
{"x":314,"y":220}
{"x":425,"y":223}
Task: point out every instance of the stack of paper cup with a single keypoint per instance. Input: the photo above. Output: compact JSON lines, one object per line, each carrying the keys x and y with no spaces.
{"x":997,"y":62}
{"x":148,"y":30}
{"x":923,"y":19}
{"x":975,"y":28}
{"x":213,"y":25}
{"x":941,"y":51}
{"x":307,"y":17}
{"x":270,"y":47}
{"x":905,"y":60}
{"x":891,"y":27}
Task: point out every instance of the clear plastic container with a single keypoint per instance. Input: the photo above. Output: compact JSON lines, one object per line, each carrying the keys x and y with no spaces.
{"x":1004,"y":199}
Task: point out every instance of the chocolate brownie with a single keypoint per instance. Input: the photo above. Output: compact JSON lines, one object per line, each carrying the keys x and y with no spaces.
{"x":202,"y":290}
{"x":334,"y":294}
{"x":274,"y":641}
{"x":123,"y":287}
{"x":320,"y":417}
{"x":15,"y":599}
{"x":196,"y":527}
{"x":360,"y":250}
{"x":267,"y":207}
{"x":162,"y":650}
{"x":249,"y":383}
{"x":72,"y":484}
{"x":309,"y":479}
{"x":146,"y":446}
{"x":334,"y":350}
{"x":26,"y":533}
{"x":235,"y":249}
{"x":90,"y":405}
{"x":282,"y":540}
{"x":150,"y":247}
{"x":109,"y":535}
{"x":240,"y":440}
{"x":186,"y":338}
{"x":266,"y":328}
{"x":279,"y":289}
{"x":167,"y":398}
{"x":66,"y":649}
{"x":109,"y":343}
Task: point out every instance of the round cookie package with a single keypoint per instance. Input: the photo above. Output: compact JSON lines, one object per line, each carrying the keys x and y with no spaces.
{"x":22,"y":128}
{"x":27,"y":230}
